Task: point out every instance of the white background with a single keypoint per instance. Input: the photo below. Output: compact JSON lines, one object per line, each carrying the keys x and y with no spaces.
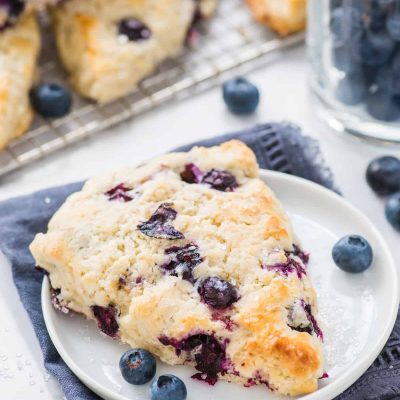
{"x":285,"y":96}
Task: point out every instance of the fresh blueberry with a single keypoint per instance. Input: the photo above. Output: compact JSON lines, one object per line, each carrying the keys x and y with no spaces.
{"x":352,"y":253}
{"x":374,"y":16}
{"x":51,"y":100}
{"x":392,"y":210}
{"x":369,"y":74}
{"x":381,"y":105}
{"x":339,"y":24}
{"x":388,"y":80}
{"x":351,"y":89}
{"x":373,"y":48}
{"x":383,"y":175}
{"x":137,"y":366}
{"x":385,"y":4}
{"x":133,"y":29}
{"x":218,"y":293}
{"x":168,"y":387}
{"x":241,"y":96}
{"x":393,"y":26}
{"x":344,"y":59}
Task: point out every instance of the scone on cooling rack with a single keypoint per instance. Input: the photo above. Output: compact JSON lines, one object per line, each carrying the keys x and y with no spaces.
{"x":192,"y":257}
{"x":108,"y":47}
{"x":19,"y":47}
{"x":284,"y":16}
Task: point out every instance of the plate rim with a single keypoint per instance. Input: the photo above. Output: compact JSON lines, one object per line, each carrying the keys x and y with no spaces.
{"x":342,"y":382}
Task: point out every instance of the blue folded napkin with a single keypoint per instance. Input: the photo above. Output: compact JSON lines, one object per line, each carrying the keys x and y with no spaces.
{"x":278,"y":146}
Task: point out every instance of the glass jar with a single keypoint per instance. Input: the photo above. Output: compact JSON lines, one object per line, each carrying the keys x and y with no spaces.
{"x":354,"y":52}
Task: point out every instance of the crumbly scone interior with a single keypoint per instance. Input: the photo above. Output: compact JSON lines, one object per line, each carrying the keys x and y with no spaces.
{"x":96,"y":256}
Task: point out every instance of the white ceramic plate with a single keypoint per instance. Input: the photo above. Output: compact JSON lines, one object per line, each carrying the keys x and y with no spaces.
{"x":351,"y":306}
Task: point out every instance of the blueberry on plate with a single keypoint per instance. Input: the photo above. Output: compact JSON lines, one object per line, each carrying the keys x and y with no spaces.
{"x":392,"y":211}
{"x":352,"y":253}
{"x":51,"y":100}
{"x":168,"y":387}
{"x":381,"y":105}
{"x":383,"y":175}
{"x":351,"y":90}
{"x":241,"y":96}
{"x":138,"y":366}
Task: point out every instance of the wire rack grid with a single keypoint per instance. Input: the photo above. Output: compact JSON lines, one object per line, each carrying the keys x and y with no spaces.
{"x":230,"y":40}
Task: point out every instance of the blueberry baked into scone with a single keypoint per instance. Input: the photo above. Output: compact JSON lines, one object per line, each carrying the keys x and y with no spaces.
{"x":19,"y":48}
{"x":284,"y":16}
{"x":108,"y":47}
{"x":192,"y":257}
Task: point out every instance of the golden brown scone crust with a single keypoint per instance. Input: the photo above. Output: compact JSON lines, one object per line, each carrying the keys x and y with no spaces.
{"x":284,"y":16}
{"x":19,"y":48}
{"x":93,"y":244}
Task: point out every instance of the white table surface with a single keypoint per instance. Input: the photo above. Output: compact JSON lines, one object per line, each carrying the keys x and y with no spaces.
{"x":284,"y":97}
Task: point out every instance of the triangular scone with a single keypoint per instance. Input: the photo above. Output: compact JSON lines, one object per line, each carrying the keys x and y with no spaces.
{"x":284,"y":16}
{"x":19,"y":48}
{"x":192,"y":257}
{"x":109,"y":47}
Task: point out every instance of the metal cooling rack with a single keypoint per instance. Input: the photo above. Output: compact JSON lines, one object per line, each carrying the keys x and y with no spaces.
{"x":230,"y":40}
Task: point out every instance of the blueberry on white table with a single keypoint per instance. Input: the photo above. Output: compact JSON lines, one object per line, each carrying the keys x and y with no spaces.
{"x":383,"y":175}
{"x":352,"y":253}
{"x":392,"y":211}
{"x":241,"y":96}
{"x":51,"y":100}
{"x":138,"y":366}
{"x":168,"y":387}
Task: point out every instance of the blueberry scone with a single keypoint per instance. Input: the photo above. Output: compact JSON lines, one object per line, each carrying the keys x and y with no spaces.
{"x":192,"y":257}
{"x":19,"y":47}
{"x":108,"y":47}
{"x":284,"y":16}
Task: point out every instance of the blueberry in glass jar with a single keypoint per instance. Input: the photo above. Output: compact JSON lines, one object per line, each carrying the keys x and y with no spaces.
{"x":382,"y":106}
{"x":373,"y":48}
{"x":365,"y":49}
{"x":351,"y":90}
